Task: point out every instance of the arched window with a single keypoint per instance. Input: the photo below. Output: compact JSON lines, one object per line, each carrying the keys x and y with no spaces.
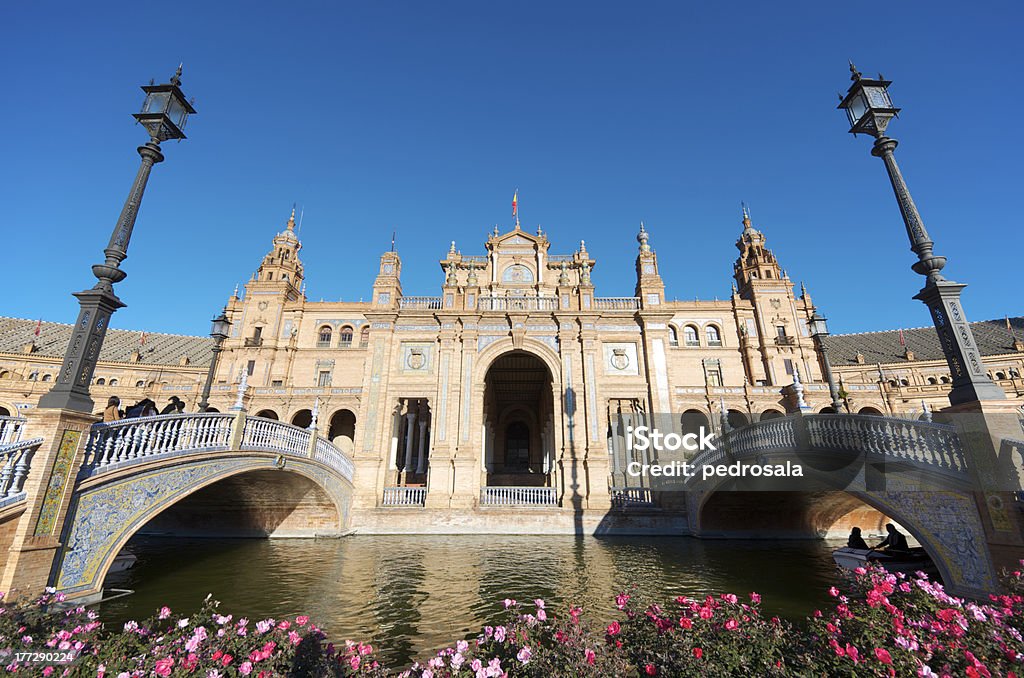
{"x":324,"y":337}
{"x":101,"y":381}
{"x":933,"y":381}
{"x":113,"y":382}
{"x":4,"y":374}
{"x":364,"y":337}
{"x":1000,"y":375}
{"x":904,"y":382}
{"x":690,"y":336}
{"x":713,"y":335}
{"x":34,"y":376}
{"x":140,"y":384}
{"x":47,"y":377}
{"x":346,"y":337}
{"x":673,"y":336}
{"x":944,"y":380}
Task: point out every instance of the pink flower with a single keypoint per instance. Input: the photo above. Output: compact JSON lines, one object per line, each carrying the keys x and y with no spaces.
{"x":245,"y":668}
{"x":651,"y":670}
{"x":755,"y":598}
{"x":264,"y":626}
{"x":732,"y":625}
{"x":524,"y":655}
{"x":163,"y":666}
{"x":706,"y":612}
{"x":542,"y":615}
{"x":539,"y":602}
{"x":499,"y":634}
{"x":852,"y":653}
{"x":621,"y":600}
{"x":354,"y":661}
{"x":614,"y":628}
{"x":833,"y":591}
{"x":165,"y":612}
{"x":883,"y":655}
{"x":589,"y":655}
{"x":302,"y":620}
{"x":730,"y":598}
{"x":698,"y":653}
{"x":509,"y":603}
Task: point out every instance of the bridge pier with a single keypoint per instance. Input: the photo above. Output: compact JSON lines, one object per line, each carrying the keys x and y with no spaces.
{"x":28,"y":567}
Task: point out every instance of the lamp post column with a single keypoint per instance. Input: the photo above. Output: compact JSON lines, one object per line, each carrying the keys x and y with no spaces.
{"x":204,"y":403}
{"x":941,"y":296}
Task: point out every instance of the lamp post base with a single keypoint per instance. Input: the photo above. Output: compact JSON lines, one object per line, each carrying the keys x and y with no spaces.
{"x":970,"y":382}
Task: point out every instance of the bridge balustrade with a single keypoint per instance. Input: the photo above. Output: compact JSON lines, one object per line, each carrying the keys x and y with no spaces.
{"x":631,"y":497}
{"x":113,"y":443}
{"x":328,"y":454}
{"x":518,"y":496}
{"x":273,"y":435}
{"x":10,"y":429}
{"x":15,"y":464}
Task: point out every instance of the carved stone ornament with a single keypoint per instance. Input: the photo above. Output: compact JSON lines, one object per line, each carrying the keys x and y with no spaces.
{"x":416,"y":360}
{"x":620,"y":360}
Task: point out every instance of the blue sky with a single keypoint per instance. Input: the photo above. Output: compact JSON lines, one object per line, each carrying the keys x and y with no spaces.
{"x":424,"y":117}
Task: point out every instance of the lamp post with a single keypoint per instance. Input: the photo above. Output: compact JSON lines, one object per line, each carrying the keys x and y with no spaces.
{"x":164,"y":114}
{"x":219,"y":332}
{"x":819,"y":330}
{"x":870,"y":110}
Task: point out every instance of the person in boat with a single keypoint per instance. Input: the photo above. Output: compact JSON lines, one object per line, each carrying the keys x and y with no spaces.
{"x":896,"y":541}
{"x":856,"y":541}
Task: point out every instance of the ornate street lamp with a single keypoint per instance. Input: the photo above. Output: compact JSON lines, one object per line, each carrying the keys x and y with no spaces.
{"x":219,"y":332}
{"x":164,"y":114}
{"x":869,"y":108}
{"x":819,"y":330}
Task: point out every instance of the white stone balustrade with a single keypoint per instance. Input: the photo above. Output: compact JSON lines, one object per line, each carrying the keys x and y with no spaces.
{"x":117,"y":444}
{"x":617,"y":303}
{"x":420,"y":303}
{"x":627,"y":497}
{"x":518,"y":496}
{"x":10,"y":429}
{"x":405,"y":496}
{"x":15,"y":464}
{"x":517,"y":304}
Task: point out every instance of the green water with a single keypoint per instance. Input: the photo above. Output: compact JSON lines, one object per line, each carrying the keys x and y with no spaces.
{"x":410,"y":595}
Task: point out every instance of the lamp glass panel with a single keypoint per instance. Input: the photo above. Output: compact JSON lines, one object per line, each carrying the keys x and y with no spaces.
{"x":156,"y":102}
{"x":857,"y":107}
{"x":878,"y":97}
{"x":177,"y":113}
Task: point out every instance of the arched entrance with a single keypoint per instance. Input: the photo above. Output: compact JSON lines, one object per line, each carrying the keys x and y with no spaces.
{"x":267,"y":414}
{"x":302,"y":418}
{"x":342,"y":431}
{"x":518,"y":422}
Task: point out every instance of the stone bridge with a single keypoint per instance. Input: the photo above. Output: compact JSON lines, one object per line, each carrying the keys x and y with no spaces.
{"x":918,"y":473}
{"x":272,"y":479}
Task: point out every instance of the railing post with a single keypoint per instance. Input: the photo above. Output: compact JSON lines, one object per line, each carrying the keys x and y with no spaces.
{"x":311,"y":450}
{"x":237,"y":430}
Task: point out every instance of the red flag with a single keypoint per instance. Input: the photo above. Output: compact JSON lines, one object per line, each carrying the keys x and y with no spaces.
{"x":142,"y":339}
{"x":39,"y":326}
{"x":903,"y":342}
{"x":515,"y":202}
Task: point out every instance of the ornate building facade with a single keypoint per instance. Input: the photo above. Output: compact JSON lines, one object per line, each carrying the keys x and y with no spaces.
{"x":513,"y":375}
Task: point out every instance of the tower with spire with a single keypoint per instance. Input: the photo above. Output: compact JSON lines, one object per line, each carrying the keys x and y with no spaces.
{"x":649,"y":285}
{"x":281,"y":267}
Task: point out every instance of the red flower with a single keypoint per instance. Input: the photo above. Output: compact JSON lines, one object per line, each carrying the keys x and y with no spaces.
{"x":883,"y":655}
{"x":698,"y":653}
{"x":651,"y":670}
{"x":685,"y":623}
{"x":614,"y":628}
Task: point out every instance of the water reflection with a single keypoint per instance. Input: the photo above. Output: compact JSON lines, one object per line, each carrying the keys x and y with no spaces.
{"x":410,"y":595}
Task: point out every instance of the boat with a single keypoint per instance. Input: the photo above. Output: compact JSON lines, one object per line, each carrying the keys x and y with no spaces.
{"x":910,"y":561}
{"x":124,"y":560}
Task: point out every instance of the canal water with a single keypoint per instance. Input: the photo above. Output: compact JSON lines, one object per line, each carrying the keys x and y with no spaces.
{"x":411,"y":595}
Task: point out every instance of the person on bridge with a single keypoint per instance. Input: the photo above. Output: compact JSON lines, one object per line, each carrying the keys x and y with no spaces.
{"x":856,"y":541}
{"x":112,"y":413}
{"x":172,"y":406}
{"x":896,"y":541}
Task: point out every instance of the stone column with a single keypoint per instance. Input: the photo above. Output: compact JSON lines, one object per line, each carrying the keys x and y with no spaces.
{"x":49,"y":488}
{"x":421,"y":456}
{"x":410,"y":432}
{"x":396,"y":427}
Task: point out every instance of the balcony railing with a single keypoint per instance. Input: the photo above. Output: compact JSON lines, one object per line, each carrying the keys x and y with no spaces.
{"x":617,"y":303}
{"x":15,"y":464}
{"x":405,"y":496}
{"x":10,"y":429}
{"x":518,"y":304}
{"x":785,"y":340}
{"x":420,"y":303}
{"x":518,"y":496}
{"x":631,"y":497}
{"x":253,"y":341}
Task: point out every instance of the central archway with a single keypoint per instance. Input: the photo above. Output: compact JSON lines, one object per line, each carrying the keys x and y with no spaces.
{"x":518,"y":422}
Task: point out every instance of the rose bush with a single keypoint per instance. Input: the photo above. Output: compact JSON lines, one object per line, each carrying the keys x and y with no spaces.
{"x":882,"y":624}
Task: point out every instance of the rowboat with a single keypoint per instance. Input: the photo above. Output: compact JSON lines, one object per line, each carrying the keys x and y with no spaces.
{"x":910,"y":561}
{"x":124,"y":560}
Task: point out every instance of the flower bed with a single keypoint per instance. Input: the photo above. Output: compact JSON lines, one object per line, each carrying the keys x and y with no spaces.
{"x":882,"y":624}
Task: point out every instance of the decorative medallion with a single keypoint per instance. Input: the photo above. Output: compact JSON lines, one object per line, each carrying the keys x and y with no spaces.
{"x":619,"y":360}
{"x":416,"y":360}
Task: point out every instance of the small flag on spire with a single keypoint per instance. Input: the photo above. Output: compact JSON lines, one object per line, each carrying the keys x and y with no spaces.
{"x":393,"y":240}
{"x":142,"y":339}
{"x":39,"y":326}
{"x":1009,"y":327}
{"x":515,"y":203}
{"x":903,"y":341}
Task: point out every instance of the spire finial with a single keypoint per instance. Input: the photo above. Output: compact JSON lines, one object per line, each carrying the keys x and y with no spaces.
{"x":451,"y":250}
{"x":176,"y":79}
{"x":291,"y":220}
{"x":236,"y":291}
{"x":747,"y":225}
{"x":642,"y":238}
{"x":854,"y":73}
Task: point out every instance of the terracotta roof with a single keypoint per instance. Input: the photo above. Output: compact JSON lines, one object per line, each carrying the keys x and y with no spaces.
{"x":159,"y":349}
{"x":884,"y":347}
